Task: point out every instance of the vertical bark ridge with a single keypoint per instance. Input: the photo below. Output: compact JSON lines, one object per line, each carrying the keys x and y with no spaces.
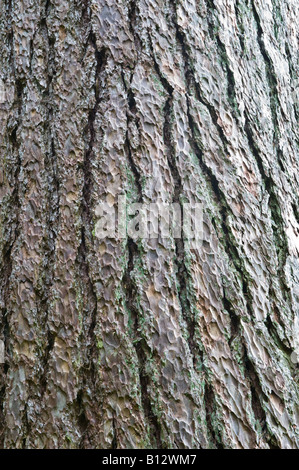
{"x":181,"y":273}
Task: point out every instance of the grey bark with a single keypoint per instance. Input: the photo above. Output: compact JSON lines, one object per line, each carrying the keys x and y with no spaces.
{"x":120,"y":344}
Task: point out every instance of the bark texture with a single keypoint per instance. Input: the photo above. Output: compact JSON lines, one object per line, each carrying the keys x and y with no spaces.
{"x":122,"y":343}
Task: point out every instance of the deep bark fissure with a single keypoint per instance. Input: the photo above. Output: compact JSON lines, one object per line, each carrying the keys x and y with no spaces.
{"x":130,"y":287}
{"x":296,"y":212}
{"x":10,"y":35}
{"x":140,"y":346}
{"x":234,"y":318}
{"x":45,"y":361}
{"x":53,"y":203}
{"x":132,"y":116}
{"x":293,"y":75}
{"x":7,"y":266}
{"x":257,"y":394}
{"x":229,"y":245}
{"x":210,"y":408}
{"x":89,"y":370}
{"x":182,"y":273}
{"x":192,"y":83}
{"x":231,"y":94}
{"x":133,"y":17}
{"x":228,"y":240}
{"x":101,"y":57}
{"x":236,"y":332}
{"x":270,"y":76}
{"x":281,"y":244}
{"x":241,"y":32}
{"x":272,"y":86}
{"x":83,"y":422}
{"x":231,"y":84}
{"x":114,"y":444}
{"x":133,"y":167}
{"x":257,"y":398}
{"x":2,"y":411}
{"x":277,"y":10}
{"x":277,"y":222}
{"x":26,"y":429}
{"x":286,"y":350}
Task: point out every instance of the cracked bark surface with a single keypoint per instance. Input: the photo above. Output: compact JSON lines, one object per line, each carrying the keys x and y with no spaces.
{"x":148,"y":343}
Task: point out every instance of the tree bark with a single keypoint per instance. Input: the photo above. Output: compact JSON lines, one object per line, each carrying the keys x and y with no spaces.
{"x":149,"y":343}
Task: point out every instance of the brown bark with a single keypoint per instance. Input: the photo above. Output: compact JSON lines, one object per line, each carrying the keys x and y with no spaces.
{"x":147,"y":343}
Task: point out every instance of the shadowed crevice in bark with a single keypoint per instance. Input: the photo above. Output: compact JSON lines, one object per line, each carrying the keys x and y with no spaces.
{"x":277,"y":220}
{"x":239,"y":18}
{"x":45,"y":365}
{"x":15,"y":148}
{"x":234,"y":318}
{"x":130,"y":288}
{"x":227,"y":238}
{"x":181,"y":273}
{"x":53,"y":188}
{"x":82,"y":418}
{"x":133,"y":25}
{"x":231,"y":84}
{"x":210,"y":406}
{"x":10,"y":33}
{"x":278,"y":224}
{"x":231,"y":94}
{"x":270,"y":75}
{"x":257,"y":400}
{"x":257,"y":395}
{"x":293,"y":75}
{"x":133,"y":167}
{"x":114,"y":444}
{"x":101,"y":57}
{"x":6,"y":267}
{"x":181,"y":270}
{"x":88,"y":337}
{"x":286,"y":350}
{"x":140,"y":346}
{"x":191,"y":83}
{"x":272,"y":86}
{"x":52,"y":226}
{"x":26,"y":427}
{"x":2,"y":411}
{"x":5,"y":275}
{"x":132,"y":117}
{"x":296,"y":211}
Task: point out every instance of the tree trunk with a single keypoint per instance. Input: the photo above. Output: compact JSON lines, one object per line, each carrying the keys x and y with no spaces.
{"x":145,"y":343}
